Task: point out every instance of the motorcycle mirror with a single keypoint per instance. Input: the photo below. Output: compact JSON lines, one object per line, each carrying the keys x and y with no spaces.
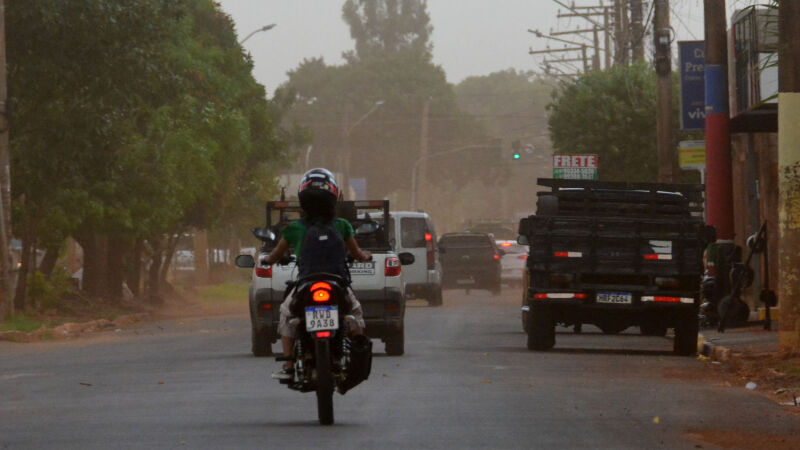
{"x":522,"y":239}
{"x":264,"y":234}
{"x":366,"y":228}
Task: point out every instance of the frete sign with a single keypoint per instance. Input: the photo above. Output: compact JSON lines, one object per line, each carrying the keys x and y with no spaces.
{"x":575,"y":167}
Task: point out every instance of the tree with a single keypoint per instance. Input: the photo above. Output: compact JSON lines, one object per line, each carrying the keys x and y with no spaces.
{"x":136,"y":120}
{"x":612,"y":114}
{"x":388,"y":26}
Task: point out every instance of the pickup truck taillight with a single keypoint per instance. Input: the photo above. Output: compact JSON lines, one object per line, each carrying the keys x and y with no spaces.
{"x":430,"y":251}
{"x":393,"y":267}
{"x":264,"y":272}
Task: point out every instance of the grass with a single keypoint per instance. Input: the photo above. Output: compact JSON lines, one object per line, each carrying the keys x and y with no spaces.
{"x":21,"y":322}
{"x":224,"y":293}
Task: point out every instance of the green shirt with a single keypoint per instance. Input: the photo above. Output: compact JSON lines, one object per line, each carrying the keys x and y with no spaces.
{"x":295,"y":232}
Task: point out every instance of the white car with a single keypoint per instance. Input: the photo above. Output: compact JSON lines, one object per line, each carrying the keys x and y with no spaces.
{"x":413,"y":232}
{"x":378,"y":284}
{"x":512,"y":262}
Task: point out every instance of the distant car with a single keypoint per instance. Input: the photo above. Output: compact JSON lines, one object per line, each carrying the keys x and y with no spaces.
{"x":512,"y":263}
{"x":470,"y":261}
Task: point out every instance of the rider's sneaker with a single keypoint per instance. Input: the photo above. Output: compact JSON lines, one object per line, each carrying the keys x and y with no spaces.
{"x":284,"y":374}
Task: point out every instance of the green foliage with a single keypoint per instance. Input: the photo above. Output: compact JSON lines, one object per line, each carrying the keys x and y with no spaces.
{"x":512,"y":105}
{"x":20,"y":322}
{"x":49,"y":292}
{"x":612,"y":114}
{"x":135,"y":118}
{"x":392,"y":65}
{"x":388,"y":26}
{"x":225,"y":292}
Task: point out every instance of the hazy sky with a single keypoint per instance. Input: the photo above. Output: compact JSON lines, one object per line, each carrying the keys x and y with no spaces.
{"x":470,"y":37}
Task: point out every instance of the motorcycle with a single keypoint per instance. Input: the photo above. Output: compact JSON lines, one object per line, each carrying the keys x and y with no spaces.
{"x":325,"y":357}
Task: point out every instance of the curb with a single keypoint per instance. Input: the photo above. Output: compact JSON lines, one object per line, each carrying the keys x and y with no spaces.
{"x":712,"y":351}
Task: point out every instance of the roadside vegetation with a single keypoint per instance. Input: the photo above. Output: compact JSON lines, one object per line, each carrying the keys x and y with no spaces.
{"x":134,"y":122}
{"x":612,"y":113}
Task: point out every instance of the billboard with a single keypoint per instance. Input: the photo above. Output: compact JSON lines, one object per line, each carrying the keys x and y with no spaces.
{"x":575,"y":167}
{"x":692,"y":57}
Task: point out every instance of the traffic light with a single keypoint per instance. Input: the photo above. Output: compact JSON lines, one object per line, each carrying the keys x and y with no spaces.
{"x":516,"y":150}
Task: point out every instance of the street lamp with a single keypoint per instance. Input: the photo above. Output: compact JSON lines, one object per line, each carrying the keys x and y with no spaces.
{"x":347,"y":152}
{"x":264,"y":28}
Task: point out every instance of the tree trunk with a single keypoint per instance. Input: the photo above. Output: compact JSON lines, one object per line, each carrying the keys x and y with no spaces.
{"x":49,"y":260}
{"x":172,"y":243}
{"x":134,"y":268}
{"x":94,"y":265}
{"x":114,"y":273}
{"x":153,"y":282}
{"x":22,"y":275}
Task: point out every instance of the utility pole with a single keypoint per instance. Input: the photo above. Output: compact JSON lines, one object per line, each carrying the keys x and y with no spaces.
{"x":6,"y":300}
{"x":620,"y":43}
{"x":587,"y":13}
{"x":637,"y":30}
{"x":423,"y":147}
{"x":663,"y":60}
{"x":789,"y":175}
{"x":607,"y":28}
{"x":719,"y":180}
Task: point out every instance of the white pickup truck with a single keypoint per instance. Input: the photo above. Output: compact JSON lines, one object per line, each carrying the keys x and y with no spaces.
{"x":377,"y":284}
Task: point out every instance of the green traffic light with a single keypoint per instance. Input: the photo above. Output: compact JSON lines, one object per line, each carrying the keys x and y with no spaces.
{"x":516,"y":156}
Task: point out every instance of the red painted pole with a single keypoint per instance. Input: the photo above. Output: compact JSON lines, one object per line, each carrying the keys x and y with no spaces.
{"x":719,"y":182}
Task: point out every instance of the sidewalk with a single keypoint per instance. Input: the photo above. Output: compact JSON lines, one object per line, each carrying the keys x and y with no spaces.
{"x":752,"y":339}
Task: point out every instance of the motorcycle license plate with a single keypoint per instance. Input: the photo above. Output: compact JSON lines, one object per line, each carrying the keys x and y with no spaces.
{"x":617,"y":298}
{"x":320,"y":318}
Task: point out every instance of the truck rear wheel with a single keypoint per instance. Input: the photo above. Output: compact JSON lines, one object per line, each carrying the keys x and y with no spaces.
{"x":541,"y":330}
{"x":395,"y":343}
{"x":261,"y":342}
{"x":435,"y":298}
{"x":686,"y":335}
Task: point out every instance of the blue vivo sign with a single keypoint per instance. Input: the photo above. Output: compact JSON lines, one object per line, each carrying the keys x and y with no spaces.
{"x":692,"y":56}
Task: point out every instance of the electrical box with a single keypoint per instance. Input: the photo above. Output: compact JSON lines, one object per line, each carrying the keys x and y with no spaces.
{"x":755,"y":59}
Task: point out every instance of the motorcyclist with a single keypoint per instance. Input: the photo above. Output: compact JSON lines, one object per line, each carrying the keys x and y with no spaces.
{"x":318,"y":194}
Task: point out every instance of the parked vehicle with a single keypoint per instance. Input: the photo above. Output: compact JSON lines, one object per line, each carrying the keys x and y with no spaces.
{"x":325,"y":358}
{"x":378,"y":284}
{"x":512,"y":263}
{"x":470,"y":261}
{"x":614,"y":255}
{"x":413,"y":232}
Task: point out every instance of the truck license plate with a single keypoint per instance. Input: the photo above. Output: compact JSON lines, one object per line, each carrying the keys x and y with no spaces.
{"x":320,"y":318}
{"x":617,"y":298}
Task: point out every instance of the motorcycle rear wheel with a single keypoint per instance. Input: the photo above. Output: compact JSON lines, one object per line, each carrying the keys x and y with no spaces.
{"x":324,"y":382}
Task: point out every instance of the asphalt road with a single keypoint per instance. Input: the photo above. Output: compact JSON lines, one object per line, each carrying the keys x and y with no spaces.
{"x":466,"y":381}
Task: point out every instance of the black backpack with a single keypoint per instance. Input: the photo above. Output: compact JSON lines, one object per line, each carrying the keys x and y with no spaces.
{"x":323,"y":250}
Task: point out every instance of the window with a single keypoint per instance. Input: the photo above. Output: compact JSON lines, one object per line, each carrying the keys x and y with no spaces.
{"x":413,"y":231}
